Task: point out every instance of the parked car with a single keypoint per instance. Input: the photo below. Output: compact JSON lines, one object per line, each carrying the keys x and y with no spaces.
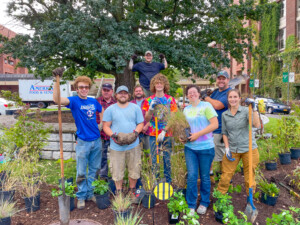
{"x":274,"y":105}
{"x":7,"y":107}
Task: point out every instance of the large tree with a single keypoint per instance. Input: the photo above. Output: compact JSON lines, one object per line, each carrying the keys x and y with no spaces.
{"x":90,"y":36}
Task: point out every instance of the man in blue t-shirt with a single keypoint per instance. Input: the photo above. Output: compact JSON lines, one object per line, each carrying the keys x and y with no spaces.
{"x":218,"y":99}
{"x":88,"y":147}
{"x":123,"y":122}
{"x":148,"y":69}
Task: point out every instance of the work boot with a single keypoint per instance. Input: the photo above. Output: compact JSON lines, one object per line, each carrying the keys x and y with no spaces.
{"x":133,"y":198}
{"x":80,"y":204}
{"x":93,"y":198}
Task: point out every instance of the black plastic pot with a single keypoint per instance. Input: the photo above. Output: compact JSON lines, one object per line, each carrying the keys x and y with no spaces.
{"x":242,"y":170}
{"x":124,"y":214}
{"x":285,"y":158}
{"x":69,"y":180}
{"x":103,"y":201}
{"x":295,"y":153}
{"x":219,"y":217}
{"x":5,"y":221}
{"x":149,"y":200}
{"x":7,"y":195}
{"x":271,"y":165}
{"x":268,"y":200}
{"x":173,"y":219}
{"x":72,"y":204}
{"x":32,"y":204}
{"x":112,"y":186}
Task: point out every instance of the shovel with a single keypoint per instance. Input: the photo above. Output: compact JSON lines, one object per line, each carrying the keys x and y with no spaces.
{"x":250,"y":211}
{"x":63,"y":201}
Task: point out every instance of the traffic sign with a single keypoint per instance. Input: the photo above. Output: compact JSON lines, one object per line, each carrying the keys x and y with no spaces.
{"x":256,"y":83}
{"x":285,"y":77}
{"x":251,"y":83}
{"x":292,"y":77}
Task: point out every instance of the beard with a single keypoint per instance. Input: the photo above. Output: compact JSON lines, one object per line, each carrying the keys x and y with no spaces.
{"x":122,"y":100}
{"x":140,"y":96}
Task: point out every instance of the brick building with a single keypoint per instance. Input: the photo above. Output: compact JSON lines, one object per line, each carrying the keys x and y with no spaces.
{"x":8,"y":64}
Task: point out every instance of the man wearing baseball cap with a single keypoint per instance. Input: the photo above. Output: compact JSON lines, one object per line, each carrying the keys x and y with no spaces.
{"x":148,"y":69}
{"x":106,"y":99}
{"x":123,"y":122}
{"x":218,"y":99}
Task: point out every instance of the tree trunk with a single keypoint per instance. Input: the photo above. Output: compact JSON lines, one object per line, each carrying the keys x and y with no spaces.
{"x":126,"y":78}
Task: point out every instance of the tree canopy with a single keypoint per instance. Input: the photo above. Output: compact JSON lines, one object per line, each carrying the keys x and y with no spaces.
{"x":91,"y":36}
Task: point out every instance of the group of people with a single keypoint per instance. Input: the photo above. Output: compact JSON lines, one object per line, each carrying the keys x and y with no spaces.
{"x":219,"y":132}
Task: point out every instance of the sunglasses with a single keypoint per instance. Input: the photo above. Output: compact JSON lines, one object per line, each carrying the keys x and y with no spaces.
{"x":83,"y":87}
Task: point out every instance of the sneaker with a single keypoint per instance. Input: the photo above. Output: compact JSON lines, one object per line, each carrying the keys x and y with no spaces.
{"x":201,"y":209}
{"x":93,"y":198}
{"x":80,"y":204}
{"x":192,"y":212}
{"x":133,"y":198}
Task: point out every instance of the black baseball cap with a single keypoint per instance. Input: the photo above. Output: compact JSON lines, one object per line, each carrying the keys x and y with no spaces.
{"x":107,"y":86}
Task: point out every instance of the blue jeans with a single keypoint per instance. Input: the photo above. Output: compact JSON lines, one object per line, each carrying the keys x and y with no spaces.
{"x":166,"y":145}
{"x":88,"y":154}
{"x":198,"y":160}
{"x":104,"y":167}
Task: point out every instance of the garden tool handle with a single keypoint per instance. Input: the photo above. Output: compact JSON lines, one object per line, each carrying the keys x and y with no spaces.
{"x":250,"y":146}
{"x":156,"y":135}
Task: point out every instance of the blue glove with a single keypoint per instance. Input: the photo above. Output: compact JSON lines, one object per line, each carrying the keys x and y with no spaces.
{"x":249,"y":101}
{"x":229,"y":155}
{"x":153,"y":103}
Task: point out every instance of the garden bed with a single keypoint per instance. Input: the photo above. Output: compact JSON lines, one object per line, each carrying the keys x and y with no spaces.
{"x":49,"y":206}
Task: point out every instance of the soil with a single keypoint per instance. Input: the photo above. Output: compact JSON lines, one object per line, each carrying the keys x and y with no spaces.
{"x":158,"y":215}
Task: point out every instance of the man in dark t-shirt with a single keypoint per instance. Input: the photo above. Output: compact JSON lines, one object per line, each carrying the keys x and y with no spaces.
{"x":147,"y":69}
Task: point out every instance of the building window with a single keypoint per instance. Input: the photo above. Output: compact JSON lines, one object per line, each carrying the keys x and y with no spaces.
{"x":10,"y":62}
{"x":281,"y":39}
{"x":282,"y":9}
{"x":5,"y":61}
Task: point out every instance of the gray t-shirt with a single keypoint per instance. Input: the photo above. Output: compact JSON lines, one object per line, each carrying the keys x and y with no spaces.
{"x":123,"y":120}
{"x":236,"y":128}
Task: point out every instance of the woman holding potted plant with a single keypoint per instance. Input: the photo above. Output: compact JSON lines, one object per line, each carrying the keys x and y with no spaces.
{"x":235,"y":130}
{"x":199,"y":150}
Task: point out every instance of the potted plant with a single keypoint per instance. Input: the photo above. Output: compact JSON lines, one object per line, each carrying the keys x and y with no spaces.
{"x":222,"y":205}
{"x":179,"y":172}
{"x":8,"y":188}
{"x":121,"y":206}
{"x":271,"y":163}
{"x":101,"y":193}
{"x":179,"y":126}
{"x":285,"y":136}
{"x":176,"y":205}
{"x":7,"y":210}
{"x":149,"y":181}
{"x":295,"y":150}
{"x":69,"y":190}
{"x":290,"y":216}
{"x":270,"y":192}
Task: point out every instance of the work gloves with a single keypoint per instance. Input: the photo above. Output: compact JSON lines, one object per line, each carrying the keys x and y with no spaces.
{"x":249,"y":101}
{"x":161,"y":136}
{"x":125,"y":138}
{"x":58,"y":71}
{"x":153,"y":103}
{"x":100,"y":126}
{"x":161,"y":57}
{"x":134,"y":57}
{"x":229,"y":155}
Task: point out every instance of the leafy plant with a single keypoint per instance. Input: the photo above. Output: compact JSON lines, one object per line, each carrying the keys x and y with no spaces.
{"x":237,"y":189}
{"x":177,"y":124}
{"x":179,"y":171}
{"x":69,"y":190}
{"x":223,"y":203}
{"x":269,"y":146}
{"x":269,"y":189}
{"x":101,"y":187}
{"x":286,"y":217}
{"x":187,"y":218}
{"x":148,"y":176}
{"x":7,"y":209}
{"x":286,"y":133}
{"x":131,"y":220}
{"x":295,"y":178}
{"x":121,"y":202}
{"x":177,"y":203}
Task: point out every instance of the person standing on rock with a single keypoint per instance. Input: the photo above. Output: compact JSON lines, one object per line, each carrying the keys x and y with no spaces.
{"x":106,"y":99}
{"x":148,"y":69}
{"x":88,"y":147}
{"x":123,"y":122}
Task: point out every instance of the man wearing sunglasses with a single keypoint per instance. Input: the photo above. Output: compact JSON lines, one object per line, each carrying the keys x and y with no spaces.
{"x":88,"y":147}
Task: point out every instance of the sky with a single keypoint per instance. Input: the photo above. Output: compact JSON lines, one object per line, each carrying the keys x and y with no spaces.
{"x":8,"y":22}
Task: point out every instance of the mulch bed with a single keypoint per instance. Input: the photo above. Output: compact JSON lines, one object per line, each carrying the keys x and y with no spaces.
{"x":159,"y":214}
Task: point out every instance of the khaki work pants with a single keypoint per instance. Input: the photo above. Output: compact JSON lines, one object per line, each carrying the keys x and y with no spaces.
{"x":228,"y":169}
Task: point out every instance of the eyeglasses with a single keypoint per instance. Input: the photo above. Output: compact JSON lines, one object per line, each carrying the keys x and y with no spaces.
{"x":83,"y":87}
